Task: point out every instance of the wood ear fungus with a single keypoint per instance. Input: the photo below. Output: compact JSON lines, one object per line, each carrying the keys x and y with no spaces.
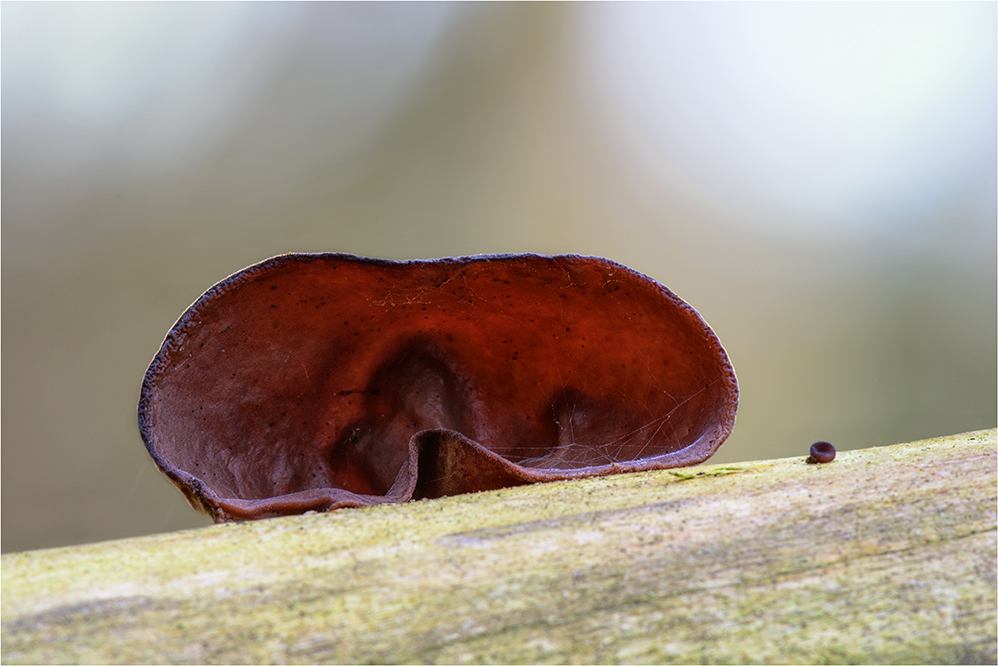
{"x":821,"y":452}
{"x":312,"y":382}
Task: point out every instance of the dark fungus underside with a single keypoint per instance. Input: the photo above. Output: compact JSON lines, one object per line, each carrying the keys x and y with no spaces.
{"x":315,"y":382}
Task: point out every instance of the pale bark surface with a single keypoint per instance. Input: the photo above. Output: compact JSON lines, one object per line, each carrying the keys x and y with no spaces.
{"x":884,"y":555}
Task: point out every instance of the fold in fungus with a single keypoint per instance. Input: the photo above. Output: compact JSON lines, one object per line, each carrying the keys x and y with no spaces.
{"x":317,"y":382}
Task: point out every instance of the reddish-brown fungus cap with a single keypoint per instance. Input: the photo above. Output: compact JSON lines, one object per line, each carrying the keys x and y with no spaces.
{"x":315,"y":382}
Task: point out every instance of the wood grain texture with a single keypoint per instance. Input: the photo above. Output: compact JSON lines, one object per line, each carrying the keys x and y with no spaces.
{"x":885,"y":555}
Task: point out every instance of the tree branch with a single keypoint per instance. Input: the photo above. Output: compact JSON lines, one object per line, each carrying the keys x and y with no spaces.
{"x":884,"y":555}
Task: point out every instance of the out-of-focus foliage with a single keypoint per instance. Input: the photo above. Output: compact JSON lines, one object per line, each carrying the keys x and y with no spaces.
{"x":818,"y":180}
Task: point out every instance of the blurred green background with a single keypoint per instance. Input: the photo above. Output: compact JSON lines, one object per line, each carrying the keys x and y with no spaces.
{"x":818,"y":180}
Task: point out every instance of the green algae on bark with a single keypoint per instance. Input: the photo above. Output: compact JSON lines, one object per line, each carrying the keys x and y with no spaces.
{"x":888,"y":555}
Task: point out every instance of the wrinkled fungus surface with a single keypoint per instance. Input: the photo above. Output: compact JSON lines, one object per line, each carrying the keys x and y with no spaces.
{"x":323,"y":381}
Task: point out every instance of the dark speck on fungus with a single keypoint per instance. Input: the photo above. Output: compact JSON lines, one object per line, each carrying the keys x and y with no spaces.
{"x":821,"y":452}
{"x":320,"y":414}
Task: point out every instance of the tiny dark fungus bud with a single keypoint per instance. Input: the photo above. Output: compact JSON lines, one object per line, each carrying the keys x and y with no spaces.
{"x":822,"y":452}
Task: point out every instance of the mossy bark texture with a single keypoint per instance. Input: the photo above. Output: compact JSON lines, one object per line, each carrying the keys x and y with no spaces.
{"x":885,"y":555}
